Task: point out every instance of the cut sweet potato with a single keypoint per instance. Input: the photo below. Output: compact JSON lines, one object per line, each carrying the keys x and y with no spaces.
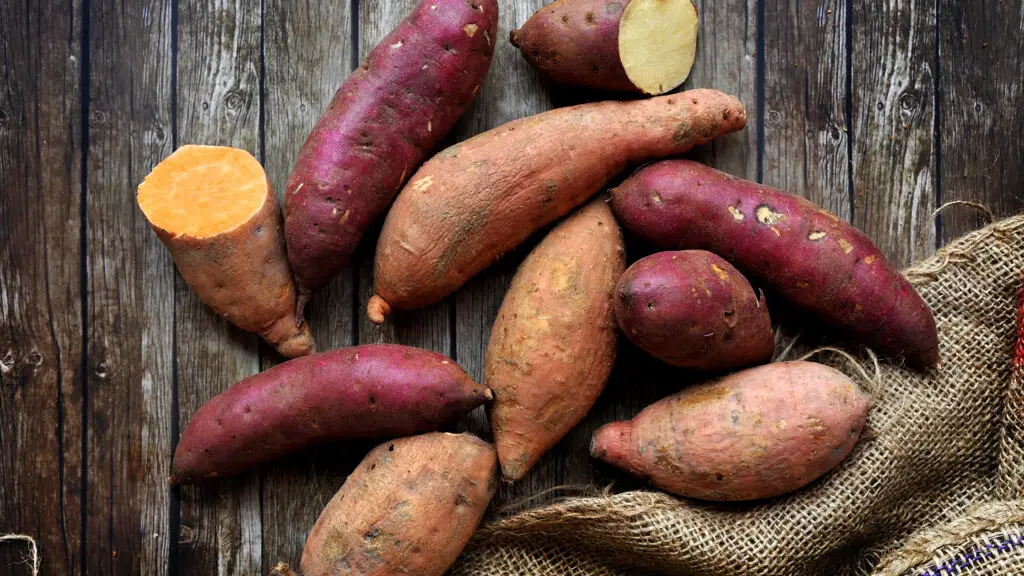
{"x":214,"y":209}
{"x":639,"y":46}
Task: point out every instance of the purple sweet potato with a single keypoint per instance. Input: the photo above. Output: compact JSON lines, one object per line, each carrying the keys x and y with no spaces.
{"x":816,"y":261}
{"x":692,"y":309}
{"x":409,"y":508}
{"x":755,"y":434}
{"x":372,"y":391}
{"x":622,"y":45}
{"x":386,"y":118}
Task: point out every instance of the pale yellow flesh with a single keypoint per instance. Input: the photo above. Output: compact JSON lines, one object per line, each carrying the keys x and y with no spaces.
{"x":203,"y":191}
{"x":658,"y":43}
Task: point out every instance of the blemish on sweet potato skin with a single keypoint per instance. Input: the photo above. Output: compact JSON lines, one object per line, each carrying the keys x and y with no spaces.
{"x":387,"y":117}
{"x":408,"y":508}
{"x":755,"y":434}
{"x":701,"y":312}
{"x":817,"y":262}
{"x":370,"y":391}
{"x":544,"y":381}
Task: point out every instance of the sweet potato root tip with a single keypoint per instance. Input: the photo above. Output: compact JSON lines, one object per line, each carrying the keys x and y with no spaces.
{"x":611,"y":442}
{"x":377,"y":309}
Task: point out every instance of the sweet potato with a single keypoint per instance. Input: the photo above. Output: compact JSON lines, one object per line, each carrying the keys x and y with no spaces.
{"x":629,"y":45}
{"x":479,"y":199}
{"x":755,"y":434}
{"x":816,"y":261}
{"x":553,"y":344}
{"x":692,"y":309}
{"x":371,"y":391}
{"x":410,"y":507}
{"x":389,"y":115}
{"x":216,"y":212}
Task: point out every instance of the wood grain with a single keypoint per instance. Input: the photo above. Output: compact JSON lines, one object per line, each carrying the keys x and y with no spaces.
{"x":980,"y":51}
{"x":41,"y":271}
{"x":129,"y":373}
{"x":893,"y":104}
{"x":429,"y":328}
{"x":307,"y":47}
{"x":218,"y":102}
{"x":806,"y":140}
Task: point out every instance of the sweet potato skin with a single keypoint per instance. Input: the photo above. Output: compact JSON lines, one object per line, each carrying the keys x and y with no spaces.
{"x":809,"y":257}
{"x":693,"y":309}
{"x":243,"y":275}
{"x":481,"y":198}
{"x":755,"y":434}
{"x":370,"y":391}
{"x":553,"y":344}
{"x":382,"y":123}
{"x":410,"y":507}
{"x":576,"y":42}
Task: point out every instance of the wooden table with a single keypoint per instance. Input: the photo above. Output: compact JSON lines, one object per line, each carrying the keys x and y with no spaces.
{"x":880,"y":111}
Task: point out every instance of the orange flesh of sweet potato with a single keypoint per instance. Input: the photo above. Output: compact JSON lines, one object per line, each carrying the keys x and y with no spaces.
{"x":410,"y":507}
{"x":553,"y":344}
{"x":755,"y":434}
{"x":479,"y":199}
{"x":214,"y":209}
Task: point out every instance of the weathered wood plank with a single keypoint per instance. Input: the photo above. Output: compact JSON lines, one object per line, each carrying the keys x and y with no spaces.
{"x":40,"y":282}
{"x":806,"y":149}
{"x":308,"y":48}
{"x":894,"y":166}
{"x":218,"y":103}
{"x":980,"y":89}
{"x":431,"y":327}
{"x":727,"y":61}
{"x":130,"y":292}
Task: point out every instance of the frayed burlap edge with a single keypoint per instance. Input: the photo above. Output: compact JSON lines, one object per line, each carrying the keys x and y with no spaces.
{"x":603,"y":506}
{"x":941,"y":542}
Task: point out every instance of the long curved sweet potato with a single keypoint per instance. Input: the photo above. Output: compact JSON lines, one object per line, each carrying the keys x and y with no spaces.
{"x":553,"y":344}
{"x":214,"y":209}
{"x":479,"y":199}
{"x":755,"y":434}
{"x":371,"y":391}
{"x":410,"y":507}
{"x":809,"y":257}
{"x":389,"y":115}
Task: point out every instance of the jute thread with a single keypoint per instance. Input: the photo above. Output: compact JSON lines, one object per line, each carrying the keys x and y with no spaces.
{"x":33,"y":551}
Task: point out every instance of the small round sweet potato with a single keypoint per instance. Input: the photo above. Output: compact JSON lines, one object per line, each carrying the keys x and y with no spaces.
{"x":410,"y":507}
{"x":693,"y":309}
{"x":756,"y":434}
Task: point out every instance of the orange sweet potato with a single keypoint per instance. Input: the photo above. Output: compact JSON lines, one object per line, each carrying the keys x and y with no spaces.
{"x":624,"y":45}
{"x":408,"y":508}
{"x":481,"y":198}
{"x":214,"y":209}
{"x":693,"y":309}
{"x":755,"y":434}
{"x":553,"y":344}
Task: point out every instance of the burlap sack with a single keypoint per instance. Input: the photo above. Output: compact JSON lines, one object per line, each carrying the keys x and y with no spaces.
{"x":906,"y":502}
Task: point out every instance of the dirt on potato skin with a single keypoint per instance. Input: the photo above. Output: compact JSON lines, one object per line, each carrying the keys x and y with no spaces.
{"x":410,"y":507}
{"x":553,"y":343}
{"x":693,"y":309}
{"x":814,"y":260}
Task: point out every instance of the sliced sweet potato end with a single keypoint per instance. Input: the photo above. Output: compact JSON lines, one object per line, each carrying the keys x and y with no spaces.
{"x":203,"y":191}
{"x":658,"y":43}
